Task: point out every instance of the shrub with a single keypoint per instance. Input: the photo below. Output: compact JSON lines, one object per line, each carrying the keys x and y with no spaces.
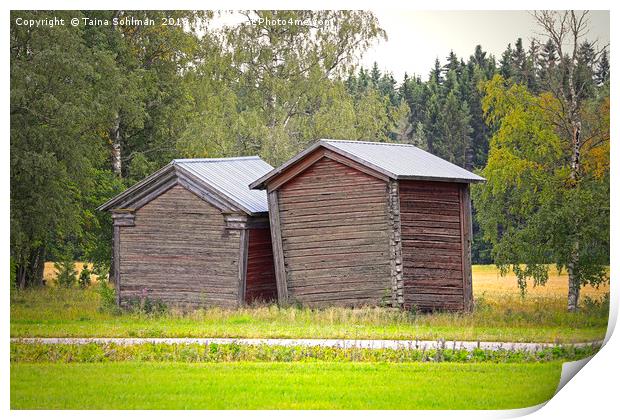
{"x":145,"y":305}
{"x":107,"y":294}
{"x":386,"y":299}
{"x":65,"y":268}
{"x":598,"y":307}
{"x":84,"y":279}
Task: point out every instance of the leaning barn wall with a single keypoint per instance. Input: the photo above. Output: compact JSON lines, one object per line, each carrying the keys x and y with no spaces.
{"x":335,"y":236}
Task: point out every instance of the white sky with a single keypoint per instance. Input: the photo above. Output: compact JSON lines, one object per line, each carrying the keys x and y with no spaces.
{"x":416,"y":38}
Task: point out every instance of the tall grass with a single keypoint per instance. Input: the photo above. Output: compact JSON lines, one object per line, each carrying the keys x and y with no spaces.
{"x":76,"y":312}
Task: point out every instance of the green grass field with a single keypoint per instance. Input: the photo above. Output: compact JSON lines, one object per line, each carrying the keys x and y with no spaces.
{"x":316,"y":385}
{"x":247,"y":377}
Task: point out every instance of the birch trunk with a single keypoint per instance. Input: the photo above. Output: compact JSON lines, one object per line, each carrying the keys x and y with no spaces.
{"x":115,"y":146}
{"x":574,"y":283}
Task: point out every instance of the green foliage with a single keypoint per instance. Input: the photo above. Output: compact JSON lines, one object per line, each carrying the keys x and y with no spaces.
{"x":58,"y":110}
{"x":107,"y":297}
{"x":13,"y":274}
{"x":529,"y":209}
{"x":84,"y":278}
{"x":146,"y":305}
{"x":66,"y":274}
{"x":596,"y":307}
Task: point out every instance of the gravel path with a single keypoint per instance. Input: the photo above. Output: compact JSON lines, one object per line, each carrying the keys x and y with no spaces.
{"x":370,"y":344}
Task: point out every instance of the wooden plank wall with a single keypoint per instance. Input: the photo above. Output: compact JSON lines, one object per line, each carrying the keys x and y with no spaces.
{"x":335,"y":236}
{"x":180,"y":252}
{"x":432,"y":248}
{"x":261,"y":278}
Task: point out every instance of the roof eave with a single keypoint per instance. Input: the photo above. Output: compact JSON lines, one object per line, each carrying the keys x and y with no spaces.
{"x":260,"y":183}
{"x":259,"y":213}
{"x":108,"y":205}
{"x":440,"y":179}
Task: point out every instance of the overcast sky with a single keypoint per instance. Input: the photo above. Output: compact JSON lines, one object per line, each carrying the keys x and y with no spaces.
{"x":416,"y":38}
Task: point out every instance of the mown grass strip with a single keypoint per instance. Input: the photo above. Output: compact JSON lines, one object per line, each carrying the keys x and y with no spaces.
{"x":199,"y":353}
{"x":144,"y":385}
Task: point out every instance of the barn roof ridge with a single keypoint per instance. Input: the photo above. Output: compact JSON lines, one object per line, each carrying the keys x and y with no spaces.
{"x":378,"y":143}
{"x":222,"y":159}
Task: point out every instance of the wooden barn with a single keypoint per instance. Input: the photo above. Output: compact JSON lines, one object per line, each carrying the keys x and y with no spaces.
{"x":193,"y":234}
{"x":357,"y":223}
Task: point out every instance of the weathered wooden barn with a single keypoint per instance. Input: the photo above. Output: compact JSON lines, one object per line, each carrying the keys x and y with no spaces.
{"x":357,"y":222}
{"x":193,"y":234}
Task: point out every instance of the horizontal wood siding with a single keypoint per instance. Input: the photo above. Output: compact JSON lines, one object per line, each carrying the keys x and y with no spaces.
{"x":261,"y":278}
{"x":431,"y":245}
{"x":179,"y":251}
{"x":335,"y":236}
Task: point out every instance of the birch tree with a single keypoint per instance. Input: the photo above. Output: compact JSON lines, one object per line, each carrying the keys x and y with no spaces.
{"x":547,"y":196}
{"x":566,"y":31}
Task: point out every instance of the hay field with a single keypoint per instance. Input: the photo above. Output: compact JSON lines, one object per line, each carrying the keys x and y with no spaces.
{"x":488,"y":282}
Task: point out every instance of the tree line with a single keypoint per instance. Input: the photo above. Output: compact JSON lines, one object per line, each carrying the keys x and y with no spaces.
{"x":96,"y":108}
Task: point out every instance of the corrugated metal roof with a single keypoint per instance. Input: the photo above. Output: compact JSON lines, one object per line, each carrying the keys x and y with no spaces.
{"x":404,"y":161}
{"x":231,"y":177}
{"x":397,"y":161}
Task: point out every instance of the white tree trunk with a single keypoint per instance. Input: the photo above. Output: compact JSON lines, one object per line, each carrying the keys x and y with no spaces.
{"x":115,"y":146}
{"x":574,"y":283}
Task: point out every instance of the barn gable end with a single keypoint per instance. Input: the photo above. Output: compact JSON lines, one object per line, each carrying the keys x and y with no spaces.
{"x":180,"y":251}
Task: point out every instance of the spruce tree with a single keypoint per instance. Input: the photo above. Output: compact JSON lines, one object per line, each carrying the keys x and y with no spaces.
{"x":531,"y":67}
{"x":375,"y":75}
{"x":518,"y":62}
{"x":548,"y":60}
{"x":436,"y":72}
{"x":452,"y":63}
{"x":601,"y":75}
{"x":584,"y":73}
{"x":505,"y":64}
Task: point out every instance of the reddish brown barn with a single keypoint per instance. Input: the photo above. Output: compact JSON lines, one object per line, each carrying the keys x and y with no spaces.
{"x":371,"y":223}
{"x":193,"y":234}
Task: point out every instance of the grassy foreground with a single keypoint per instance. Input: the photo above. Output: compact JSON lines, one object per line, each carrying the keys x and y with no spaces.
{"x":312,"y":385}
{"x":498,"y":316}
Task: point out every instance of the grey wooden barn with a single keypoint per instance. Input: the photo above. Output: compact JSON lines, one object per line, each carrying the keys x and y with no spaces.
{"x":193,"y":234}
{"x":356,"y":222}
